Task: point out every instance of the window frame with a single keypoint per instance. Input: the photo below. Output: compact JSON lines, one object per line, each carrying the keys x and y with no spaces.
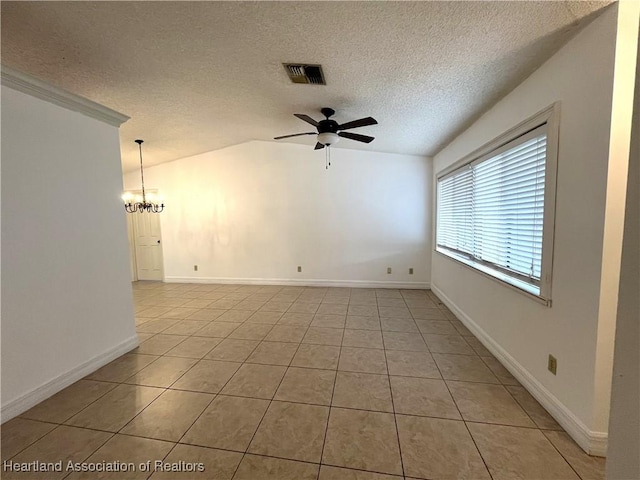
{"x":550,"y":117}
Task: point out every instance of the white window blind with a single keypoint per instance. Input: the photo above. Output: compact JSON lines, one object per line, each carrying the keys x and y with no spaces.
{"x":491,"y":211}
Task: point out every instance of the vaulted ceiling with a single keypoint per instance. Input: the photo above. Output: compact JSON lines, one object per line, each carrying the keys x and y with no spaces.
{"x":199,"y":76}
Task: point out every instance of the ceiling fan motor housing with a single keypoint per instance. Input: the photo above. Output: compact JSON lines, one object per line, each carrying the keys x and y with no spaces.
{"x":328,"y":131}
{"x":325,"y":126}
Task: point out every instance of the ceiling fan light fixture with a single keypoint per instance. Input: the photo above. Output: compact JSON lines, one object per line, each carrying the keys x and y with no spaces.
{"x":330,"y":131}
{"x":328,"y":138}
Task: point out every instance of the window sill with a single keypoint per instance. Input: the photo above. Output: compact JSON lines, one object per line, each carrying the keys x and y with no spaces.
{"x":524,"y":288}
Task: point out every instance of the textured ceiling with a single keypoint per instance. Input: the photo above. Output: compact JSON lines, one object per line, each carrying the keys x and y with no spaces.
{"x":199,"y":76}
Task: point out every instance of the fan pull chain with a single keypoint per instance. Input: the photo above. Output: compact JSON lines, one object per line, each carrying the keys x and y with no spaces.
{"x":327,"y":157}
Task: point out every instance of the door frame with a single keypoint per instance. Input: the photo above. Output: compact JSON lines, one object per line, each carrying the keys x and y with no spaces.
{"x":131,"y":234}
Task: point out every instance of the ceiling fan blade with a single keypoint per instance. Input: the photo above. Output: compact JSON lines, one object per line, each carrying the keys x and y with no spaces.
{"x":319,"y":146}
{"x":363,"y":122}
{"x":295,"y":135}
{"x":356,"y":137}
{"x":306,"y":118}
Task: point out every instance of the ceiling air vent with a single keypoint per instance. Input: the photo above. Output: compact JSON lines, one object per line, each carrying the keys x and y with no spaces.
{"x":301,"y":73}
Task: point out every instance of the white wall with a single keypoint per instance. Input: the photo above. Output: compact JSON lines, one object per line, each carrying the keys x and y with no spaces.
{"x":623,"y":460}
{"x":618,"y":165}
{"x":255,"y":211}
{"x":66,"y":293}
{"x":524,"y":332}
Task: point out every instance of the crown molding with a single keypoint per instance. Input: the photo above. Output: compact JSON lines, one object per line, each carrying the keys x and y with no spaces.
{"x":37,"y":88}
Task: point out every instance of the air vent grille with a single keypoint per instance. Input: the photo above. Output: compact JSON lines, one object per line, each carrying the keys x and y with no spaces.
{"x":303,"y":73}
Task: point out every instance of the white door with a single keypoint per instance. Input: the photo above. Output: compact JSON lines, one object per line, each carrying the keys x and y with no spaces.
{"x":146,"y":229}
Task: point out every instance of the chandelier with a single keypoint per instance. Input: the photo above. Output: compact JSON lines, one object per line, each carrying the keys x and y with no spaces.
{"x":139,"y":203}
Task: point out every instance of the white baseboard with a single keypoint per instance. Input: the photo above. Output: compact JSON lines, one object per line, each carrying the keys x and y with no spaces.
{"x":300,"y":282}
{"x":592,"y":442}
{"x":26,"y":401}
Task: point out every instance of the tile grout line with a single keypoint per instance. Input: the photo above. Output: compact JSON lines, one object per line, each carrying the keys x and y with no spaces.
{"x":166,"y":389}
{"x":393,"y":406}
{"x":513,"y":397}
{"x":114,"y":388}
{"x":333,"y":390}
{"x":71,"y":416}
{"x":58,"y":425}
{"x":562,"y":455}
{"x":465,"y":423}
{"x":290,"y":401}
{"x":93,"y":453}
{"x":395,"y":414}
{"x":244,"y":454}
{"x":204,"y":410}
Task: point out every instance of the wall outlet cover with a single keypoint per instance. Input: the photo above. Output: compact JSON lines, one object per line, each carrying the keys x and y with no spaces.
{"x":552,"y":364}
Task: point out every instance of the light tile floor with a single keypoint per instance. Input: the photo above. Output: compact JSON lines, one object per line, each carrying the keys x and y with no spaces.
{"x":269,"y":382}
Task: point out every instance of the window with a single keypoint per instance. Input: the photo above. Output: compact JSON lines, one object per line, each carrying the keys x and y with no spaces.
{"x":494,"y":208}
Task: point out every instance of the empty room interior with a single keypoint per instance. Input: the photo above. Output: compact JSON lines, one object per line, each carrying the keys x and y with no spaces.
{"x":320,"y":240}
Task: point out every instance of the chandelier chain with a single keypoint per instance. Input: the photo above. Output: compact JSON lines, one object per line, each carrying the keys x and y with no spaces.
{"x":144,"y":198}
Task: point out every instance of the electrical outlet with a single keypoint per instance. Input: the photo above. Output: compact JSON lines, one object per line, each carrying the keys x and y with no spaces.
{"x":411,"y":271}
{"x":195,"y":268}
{"x":299,"y":268}
{"x":388,"y":269}
{"x":552,"y":364}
